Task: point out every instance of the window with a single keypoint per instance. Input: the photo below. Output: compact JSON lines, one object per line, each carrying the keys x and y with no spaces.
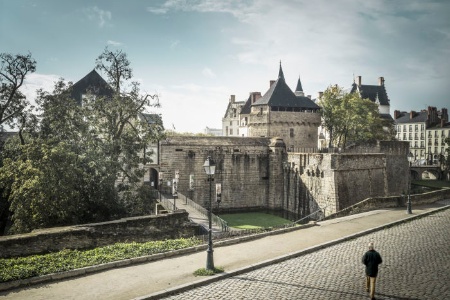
{"x":226,"y":130}
{"x":231,"y":123}
{"x":416,"y":127}
{"x":410,"y":127}
{"x":291,"y":132}
{"x":231,"y":131}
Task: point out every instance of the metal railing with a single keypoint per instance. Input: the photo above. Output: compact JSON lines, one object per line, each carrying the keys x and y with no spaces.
{"x":215,"y":219}
{"x":319,"y":210}
{"x":165,"y":202}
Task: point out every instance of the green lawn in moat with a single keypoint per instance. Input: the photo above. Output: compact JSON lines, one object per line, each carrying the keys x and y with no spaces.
{"x":432,"y":183}
{"x":253,"y":220}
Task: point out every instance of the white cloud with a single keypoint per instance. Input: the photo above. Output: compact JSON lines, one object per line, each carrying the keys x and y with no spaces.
{"x":102,"y":17}
{"x":207,"y":72}
{"x":174,"y":44}
{"x":114,"y":43}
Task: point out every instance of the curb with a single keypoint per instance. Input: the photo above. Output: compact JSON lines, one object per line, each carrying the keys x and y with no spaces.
{"x":217,"y":277}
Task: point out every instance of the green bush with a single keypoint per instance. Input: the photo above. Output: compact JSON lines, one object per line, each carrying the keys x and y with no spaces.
{"x":37,"y":265}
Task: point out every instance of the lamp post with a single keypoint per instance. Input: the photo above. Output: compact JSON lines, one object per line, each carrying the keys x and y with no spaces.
{"x":210,"y":169}
{"x":408,"y":204}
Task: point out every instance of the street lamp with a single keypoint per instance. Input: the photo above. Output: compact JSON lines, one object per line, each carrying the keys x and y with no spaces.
{"x":210,"y":169}
{"x":408,"y":204}
{"x":160,"y":185}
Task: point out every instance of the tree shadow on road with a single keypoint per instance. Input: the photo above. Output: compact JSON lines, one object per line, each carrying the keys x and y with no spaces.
{"x":393,"y":297}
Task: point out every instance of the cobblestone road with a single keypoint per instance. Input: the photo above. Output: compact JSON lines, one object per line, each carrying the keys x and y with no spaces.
{"x":416,"y":265}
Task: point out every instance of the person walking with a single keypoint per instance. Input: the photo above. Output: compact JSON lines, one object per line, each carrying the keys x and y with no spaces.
{"x":371,"y":259}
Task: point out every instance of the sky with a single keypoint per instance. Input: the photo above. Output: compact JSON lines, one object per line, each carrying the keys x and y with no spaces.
{"x":196,"y":53}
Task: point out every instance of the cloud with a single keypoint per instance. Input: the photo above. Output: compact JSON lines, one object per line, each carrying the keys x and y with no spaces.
{"x":114,"y":43}
{"x":207,"y":72}
{"x":174,"y":44}
{"x":102,"y":17}
{"x":239,"y":9}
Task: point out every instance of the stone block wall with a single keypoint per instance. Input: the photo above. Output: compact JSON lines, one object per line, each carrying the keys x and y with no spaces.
{"x":136,"y":229}
{"x":333,"y":182}
{"x":303,"y":124}
{"x":243,"y":168}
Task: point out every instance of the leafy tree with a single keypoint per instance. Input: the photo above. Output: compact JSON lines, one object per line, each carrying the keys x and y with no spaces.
{"x":330,"y":103}
{"x":120,"y":122}
{"x":65,"y":169}
{"x":444,"y":160}
{"x":350,"y":119}
{"x":13,"y":70}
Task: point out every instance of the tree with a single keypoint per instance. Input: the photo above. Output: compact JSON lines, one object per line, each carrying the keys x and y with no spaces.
{"x":65,"y":169}
{"x":444,"y":160}
{"x":330,"y":103}
{"x":13,"y":70}
{"x":120,"y":121}
{"x":350,"y":119}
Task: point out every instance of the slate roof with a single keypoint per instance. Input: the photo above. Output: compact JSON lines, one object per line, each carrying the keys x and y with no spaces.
{"x":372,"y":92}
{"x":299,"y":87}
{"x":94,"y":81}
{"x":151,"y":118}
{"x":280,"y":95}
{"x":246,"y":108}
{"x":419,"y":117}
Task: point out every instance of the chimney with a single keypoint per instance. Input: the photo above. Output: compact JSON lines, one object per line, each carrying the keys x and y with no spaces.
{"x":309,"y":96}
{"x":380,"y":81}
{"x":444,"y":114}
{"x":271,"y":82}
{"x":412,"y":114}
{"x":358,"y":80}
{"x":232,"y":98}
{"x":254,"y":96}
{"x":396,"y":114}
{"x":320,"y":95}
{"x":442,"y":123}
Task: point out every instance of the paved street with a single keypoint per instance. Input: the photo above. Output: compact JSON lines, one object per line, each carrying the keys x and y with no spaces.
{"x":416,"y":265}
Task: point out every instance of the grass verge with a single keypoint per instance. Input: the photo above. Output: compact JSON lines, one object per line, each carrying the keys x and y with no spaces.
{"x":207,"y":272}
{"x":37,"y":265}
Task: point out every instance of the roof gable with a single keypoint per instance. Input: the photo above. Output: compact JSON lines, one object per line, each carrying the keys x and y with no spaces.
{"x":375,"y":93}
{"x":91,"y":82}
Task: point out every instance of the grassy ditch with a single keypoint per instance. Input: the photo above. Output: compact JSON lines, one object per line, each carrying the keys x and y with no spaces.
{"x":37,"y":265}
{"x":440,"y":184}
{"x":254,"y":220}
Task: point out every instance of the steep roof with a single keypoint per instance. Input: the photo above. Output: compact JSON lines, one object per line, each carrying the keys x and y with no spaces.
{"x":376,"y":93}
{"x":418,"y":117}
{"x":151,"y":118}
{"x":280,"y":95}
{"x":246,"y":108}
{"x":93,"y":81}
{"x":299,"y":87}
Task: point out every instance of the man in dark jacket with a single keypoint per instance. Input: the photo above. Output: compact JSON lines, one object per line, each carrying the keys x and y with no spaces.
{"x":371,"y":259}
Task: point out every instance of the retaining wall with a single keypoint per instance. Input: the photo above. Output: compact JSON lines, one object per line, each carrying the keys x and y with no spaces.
{"x":136,"y":229}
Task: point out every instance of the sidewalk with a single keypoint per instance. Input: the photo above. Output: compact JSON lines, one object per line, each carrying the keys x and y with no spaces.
{"x":154,"y":280}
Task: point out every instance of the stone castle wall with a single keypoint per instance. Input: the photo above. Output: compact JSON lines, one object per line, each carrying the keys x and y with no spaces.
{"x":259,"y":173}
{"x":333,"y":182}
{"x":243,"y":168}
{"x":280,"y":123}
{"x":304,"y":125}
